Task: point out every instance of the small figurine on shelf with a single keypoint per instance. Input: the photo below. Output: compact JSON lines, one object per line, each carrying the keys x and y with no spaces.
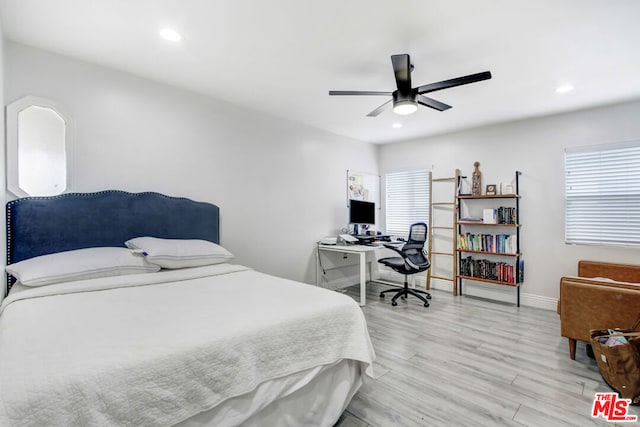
{"x":476,"y":182}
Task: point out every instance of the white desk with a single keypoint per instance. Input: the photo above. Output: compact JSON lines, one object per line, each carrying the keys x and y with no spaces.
{"x":360,"y":250}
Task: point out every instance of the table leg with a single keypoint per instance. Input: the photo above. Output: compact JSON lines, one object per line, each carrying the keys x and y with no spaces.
{"x":318,"y":274}
{"x":363,"y":279}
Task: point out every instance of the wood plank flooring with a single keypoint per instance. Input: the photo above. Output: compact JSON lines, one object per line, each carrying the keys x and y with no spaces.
{"x":466,"y":361}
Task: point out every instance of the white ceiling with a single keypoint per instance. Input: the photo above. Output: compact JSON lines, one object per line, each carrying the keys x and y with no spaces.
{"x":283,"y":56}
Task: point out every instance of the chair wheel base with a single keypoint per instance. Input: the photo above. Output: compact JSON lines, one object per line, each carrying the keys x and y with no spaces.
{"x":405,"y":292}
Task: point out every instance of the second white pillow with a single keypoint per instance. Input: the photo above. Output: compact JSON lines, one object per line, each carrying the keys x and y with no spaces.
{"x":179,"y":253}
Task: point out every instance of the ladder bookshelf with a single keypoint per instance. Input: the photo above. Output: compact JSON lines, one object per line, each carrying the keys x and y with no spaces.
{"x":442,"y":230}
{"x":489,"y":248}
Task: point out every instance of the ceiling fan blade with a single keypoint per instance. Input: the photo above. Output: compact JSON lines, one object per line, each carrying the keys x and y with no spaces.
{"x":402,"y":70}
{"x":358,"y":92}
{"x":380,"y":109}
{"x":445,"y":84}
{"x":432,"y":103}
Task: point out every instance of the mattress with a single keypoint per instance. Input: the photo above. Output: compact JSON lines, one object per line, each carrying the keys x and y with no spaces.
{"x":316,"y":397}
{"x":160,"y":348}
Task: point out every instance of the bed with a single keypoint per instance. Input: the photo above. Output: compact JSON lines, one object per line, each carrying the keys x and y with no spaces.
{"x":210,"y":343}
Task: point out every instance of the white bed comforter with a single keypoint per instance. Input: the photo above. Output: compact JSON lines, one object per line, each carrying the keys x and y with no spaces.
{"x":155,"y":349}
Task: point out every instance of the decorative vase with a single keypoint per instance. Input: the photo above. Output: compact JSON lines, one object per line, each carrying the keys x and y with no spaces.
{"x":476,"y":182}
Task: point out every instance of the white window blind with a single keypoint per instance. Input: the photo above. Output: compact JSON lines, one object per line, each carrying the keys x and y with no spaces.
{"x":407,"y":200}
{"x":602,"y":195}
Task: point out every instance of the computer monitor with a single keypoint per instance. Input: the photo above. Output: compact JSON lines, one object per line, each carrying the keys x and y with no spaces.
{"x":361,"y":212}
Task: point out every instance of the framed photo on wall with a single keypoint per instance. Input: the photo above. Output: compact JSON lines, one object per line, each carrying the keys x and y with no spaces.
{"x":363,"y":186}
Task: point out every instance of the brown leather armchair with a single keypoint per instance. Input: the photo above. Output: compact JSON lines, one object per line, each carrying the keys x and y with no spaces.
{"x":605,"y":295}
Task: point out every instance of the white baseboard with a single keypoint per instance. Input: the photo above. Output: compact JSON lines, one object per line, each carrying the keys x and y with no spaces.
{"x":538,"y":301}
{"x":505,"y":294}
{"x":339,"y":283}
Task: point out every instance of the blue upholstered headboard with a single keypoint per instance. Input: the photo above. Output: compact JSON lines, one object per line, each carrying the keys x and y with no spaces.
{"x":43,"y":225}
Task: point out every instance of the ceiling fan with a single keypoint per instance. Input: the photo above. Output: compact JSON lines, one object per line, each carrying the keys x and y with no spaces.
{"x":406,"y":98}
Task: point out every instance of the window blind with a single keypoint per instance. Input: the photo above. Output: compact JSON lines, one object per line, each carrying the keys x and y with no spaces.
{"x":407,"y":200}
{"x":602,"y":195}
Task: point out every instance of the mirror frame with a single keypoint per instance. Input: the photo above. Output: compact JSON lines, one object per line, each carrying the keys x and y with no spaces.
{"x":12,"y":111}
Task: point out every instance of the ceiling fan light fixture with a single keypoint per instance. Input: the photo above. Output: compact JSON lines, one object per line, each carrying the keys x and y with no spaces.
{"x":405,"y":107}
{"x":170,"y":34}
{"x":406,"y":97}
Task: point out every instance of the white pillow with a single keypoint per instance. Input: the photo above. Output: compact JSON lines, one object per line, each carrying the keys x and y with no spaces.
{"x":179,"y":253}
{"x":79,"y":264}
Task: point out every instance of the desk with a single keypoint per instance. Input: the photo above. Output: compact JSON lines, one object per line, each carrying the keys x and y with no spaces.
{"x":360,"y":250}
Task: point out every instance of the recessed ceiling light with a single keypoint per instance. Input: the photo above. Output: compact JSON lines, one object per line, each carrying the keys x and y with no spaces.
{"x":171,"y":35}
{"x":396,"y":125}
{"x":564,"y":88}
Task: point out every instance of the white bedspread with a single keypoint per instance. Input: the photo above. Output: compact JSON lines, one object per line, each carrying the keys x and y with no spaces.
{"x":155,"y":349}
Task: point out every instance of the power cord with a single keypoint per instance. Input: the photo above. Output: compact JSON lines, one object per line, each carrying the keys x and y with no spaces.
{"x":324,"y":272}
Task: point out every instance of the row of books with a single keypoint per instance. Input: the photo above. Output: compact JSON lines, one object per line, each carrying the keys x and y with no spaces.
{"x":485,"y":269}
{"x":501,"y":215}
{"x":498,"y":243}
{"x":506,"y":215}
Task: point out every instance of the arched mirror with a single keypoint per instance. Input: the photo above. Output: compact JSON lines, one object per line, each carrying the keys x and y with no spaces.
{"x":38,"y":136}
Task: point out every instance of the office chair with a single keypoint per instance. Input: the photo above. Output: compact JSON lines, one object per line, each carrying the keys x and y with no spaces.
{"x":412,"y":260}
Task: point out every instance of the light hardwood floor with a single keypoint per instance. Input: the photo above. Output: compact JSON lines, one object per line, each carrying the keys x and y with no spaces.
{"x":466,"y":361}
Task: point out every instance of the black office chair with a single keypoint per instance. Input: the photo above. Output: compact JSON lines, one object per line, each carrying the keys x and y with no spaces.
{"x":412,"y":260}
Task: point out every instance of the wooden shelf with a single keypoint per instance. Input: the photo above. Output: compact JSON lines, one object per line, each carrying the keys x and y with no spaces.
{"x":497,"y":196}
{"x":487,"y":253}
{"x":484,"y":224}
{"x":497,"y":282}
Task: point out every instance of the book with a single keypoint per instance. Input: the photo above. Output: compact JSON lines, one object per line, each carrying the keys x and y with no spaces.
{"x":471,"y":219}
{"x":489,"y":216}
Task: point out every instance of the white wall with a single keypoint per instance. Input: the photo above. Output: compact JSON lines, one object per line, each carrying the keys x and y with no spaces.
{"x":280,"y":185}
{"x":3,"y":184}
{"x":535,"y":147}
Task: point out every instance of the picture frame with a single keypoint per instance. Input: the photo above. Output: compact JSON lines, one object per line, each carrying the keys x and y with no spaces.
{"x":363,"y":186}
{"x":464,"y":186}
{"x":490,"y":190}
{"x":506,"y":188}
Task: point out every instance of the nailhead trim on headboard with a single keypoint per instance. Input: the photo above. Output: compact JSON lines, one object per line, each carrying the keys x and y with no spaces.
{"x":12,"y":204}
{"x":64,"y":195}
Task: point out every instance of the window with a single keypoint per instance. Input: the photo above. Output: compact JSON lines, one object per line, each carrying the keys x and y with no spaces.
{"x":407,"y":200}
{"x":602,"y":195}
